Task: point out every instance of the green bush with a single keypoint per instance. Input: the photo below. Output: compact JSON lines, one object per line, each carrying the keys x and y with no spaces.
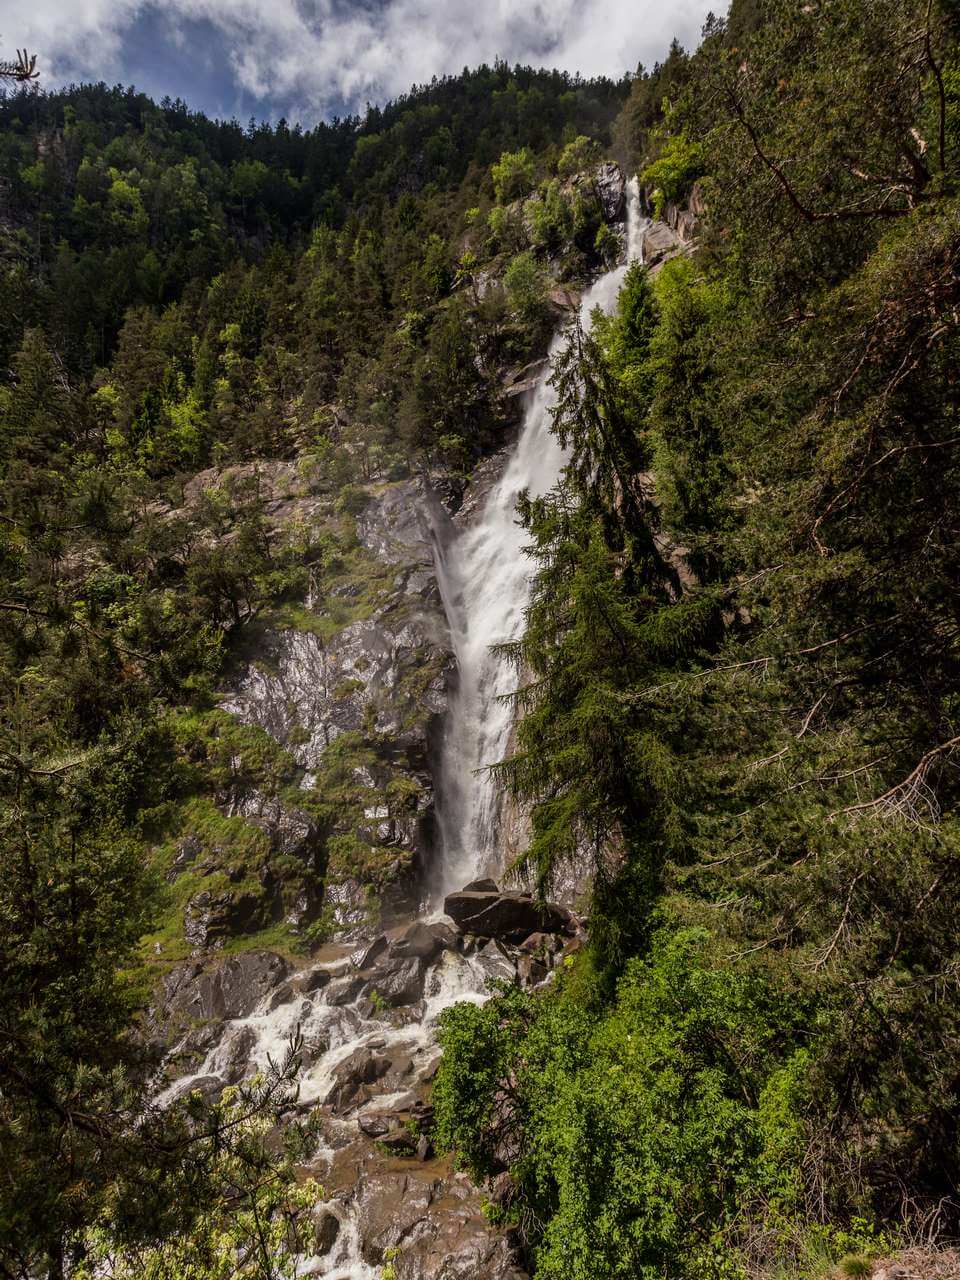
{"x":674,"y":171}
{"x":551,"y":218}
{"x":577,"y":156}
{"x":526,"y":288}
{"x":513,"y":175}
{"x":624,"y":1130}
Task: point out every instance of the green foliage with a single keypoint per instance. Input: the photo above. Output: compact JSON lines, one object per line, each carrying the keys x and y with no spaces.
{"x":577,"y":156}
{"x":526,"y":287}
{"x":737,"y":688}
{"x":218,"y":343}
{"x":252,"y":1217}
{"x":677,"y":166}
{"x":506,"y":228}
{"x":551,"y":218}
{"x":480,"y":1044}
{"x":626,"y":1125}
{"x":513,"y":175}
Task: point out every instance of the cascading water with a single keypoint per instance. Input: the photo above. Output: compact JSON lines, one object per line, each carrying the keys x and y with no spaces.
{"x":485,"y":579}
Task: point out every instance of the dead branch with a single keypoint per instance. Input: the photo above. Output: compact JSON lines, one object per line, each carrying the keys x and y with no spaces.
{"x":21,"y":70}
{"x":907,"y":799}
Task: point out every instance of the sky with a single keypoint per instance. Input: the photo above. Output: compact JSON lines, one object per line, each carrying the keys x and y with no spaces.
{"x":309,"y":60}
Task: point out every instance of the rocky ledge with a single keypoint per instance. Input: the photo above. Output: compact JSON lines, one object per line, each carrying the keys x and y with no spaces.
{"x":483,"y":909}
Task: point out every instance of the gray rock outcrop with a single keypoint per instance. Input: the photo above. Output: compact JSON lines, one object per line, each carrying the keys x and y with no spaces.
{"x":611,"y":191}
{"x":511,"y":917}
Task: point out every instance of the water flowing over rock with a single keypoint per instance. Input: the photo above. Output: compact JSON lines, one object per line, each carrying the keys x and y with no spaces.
{"x":485,"y":580}
{"x":367,"y":1005}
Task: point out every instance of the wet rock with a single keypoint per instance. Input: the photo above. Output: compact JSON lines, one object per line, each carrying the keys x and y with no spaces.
{"x":283,"y":995}
{"x":511,"y":917}
{"x":239,"y":1050}
{"x":429,"y":1070}
{"x":375,"y":1126}
{"x":247,"y":978}
{"x":325,"y":1233}
{"x":419,"y":940}
{"x":495,"y":963}
{"x":540,"y":944}
{"x":531,"y":971}
{"x":366,"y":957}
{"x":448,"y":938}
{"x":316,"y":980}
{"x":197,"y":1042}
{"x":343,"y":991}
{"x":399,"y":1142}
{"x":391,"y":1207}
{"x":400,"y":1073}
{"x":481,"y":886}
{"x":611,"y":191}
{"x":204,"y":997}
{"x":363,"y":1067}
{"x":399,"y":982}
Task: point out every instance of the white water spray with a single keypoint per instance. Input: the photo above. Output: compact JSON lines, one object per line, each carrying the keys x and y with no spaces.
{"x":485,"y":579}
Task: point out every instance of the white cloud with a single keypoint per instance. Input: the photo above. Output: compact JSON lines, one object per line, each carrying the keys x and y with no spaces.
{"x":319,"y":53}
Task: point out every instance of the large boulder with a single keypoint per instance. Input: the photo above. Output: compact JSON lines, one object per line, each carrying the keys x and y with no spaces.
{"x":611,"y":191}
{"x":511,"y":917}
{"x":399,"y":981}
{"x":245,"y":979}
{"x":420,"y":940}
{"x":362,"y":1067}
{"x":203,"y":998}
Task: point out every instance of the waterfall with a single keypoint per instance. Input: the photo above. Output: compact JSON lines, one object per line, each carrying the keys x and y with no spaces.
{"x":485,"y":579}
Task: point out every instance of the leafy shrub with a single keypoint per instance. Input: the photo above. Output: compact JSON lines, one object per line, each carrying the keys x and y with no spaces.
{"x":513,"y":175}
{"x":551,"y":218}
{"x":626,"y":1129}
{"x":526,"y":288}
{"x":577,"y":156}
{"x":506,"y":228}
{"x":674,"y":172}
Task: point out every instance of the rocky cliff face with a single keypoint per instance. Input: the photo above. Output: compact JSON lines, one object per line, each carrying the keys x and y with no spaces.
{"x":378,"y":685}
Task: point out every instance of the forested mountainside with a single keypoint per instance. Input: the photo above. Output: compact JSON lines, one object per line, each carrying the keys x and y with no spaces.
{"x":742,"y":658}
{"x":255,"y":378}
{"x":239,"y":362}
